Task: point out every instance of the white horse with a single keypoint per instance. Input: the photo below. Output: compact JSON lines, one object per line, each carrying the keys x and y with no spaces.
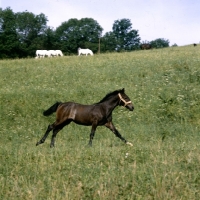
{"x":84,"y":51}
{"x":55,"y":53}
{"x":42,"y":53}
{"x":49,"y":53}
{"x":59,"y":53}
{"x":52,"y":53}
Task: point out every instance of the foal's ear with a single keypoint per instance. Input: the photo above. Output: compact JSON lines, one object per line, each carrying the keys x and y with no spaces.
{"x":123,"y":90}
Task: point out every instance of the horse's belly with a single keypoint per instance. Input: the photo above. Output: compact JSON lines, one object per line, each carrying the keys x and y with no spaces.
{"x":88,"y":119}
{"x":83,"y":120}
{"x":82,"y":123}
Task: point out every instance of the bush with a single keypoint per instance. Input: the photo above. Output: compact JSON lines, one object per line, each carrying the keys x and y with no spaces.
{"x":159,"y":43}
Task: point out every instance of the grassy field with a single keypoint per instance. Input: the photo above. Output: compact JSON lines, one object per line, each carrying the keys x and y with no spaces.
{"x":164,"y":162}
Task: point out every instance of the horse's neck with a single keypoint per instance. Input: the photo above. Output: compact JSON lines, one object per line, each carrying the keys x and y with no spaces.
{"x":111,"y":104}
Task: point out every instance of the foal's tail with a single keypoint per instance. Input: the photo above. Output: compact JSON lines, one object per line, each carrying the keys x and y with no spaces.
{"x":52,"y":109}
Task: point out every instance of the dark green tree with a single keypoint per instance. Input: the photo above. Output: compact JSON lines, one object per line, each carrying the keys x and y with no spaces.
{"x":31,"y":31}
{"x":108,"y":42}
{"x":126,"y":37}
{"x":1,"y":20}
{"x":49,"y":39}
{"x":159,"y":43}
{"x":74,"y":33}
{"x":9,"y":43}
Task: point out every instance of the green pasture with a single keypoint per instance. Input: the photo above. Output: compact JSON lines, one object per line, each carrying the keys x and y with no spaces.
{"x":164,"y":128}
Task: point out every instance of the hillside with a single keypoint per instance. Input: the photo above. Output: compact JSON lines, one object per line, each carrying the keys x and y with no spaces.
{"x":164,"y":127}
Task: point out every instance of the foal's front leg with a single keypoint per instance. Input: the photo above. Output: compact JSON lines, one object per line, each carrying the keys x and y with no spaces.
{"x":111,"y":126}
{"x":94,"y":126}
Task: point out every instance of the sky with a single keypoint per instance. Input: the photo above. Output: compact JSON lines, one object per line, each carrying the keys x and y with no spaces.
{"x":175,"y":20}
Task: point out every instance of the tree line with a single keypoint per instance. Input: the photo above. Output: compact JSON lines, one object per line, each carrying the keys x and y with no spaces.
{"x":22,"y":33}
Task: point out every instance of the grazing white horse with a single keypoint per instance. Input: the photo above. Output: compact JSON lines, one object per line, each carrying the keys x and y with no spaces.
{"x":84,"y":51}
{"x":42,"y":53}
{"x":52,"y":53}
{"x":59,"y":53}
{"x":49,"y":53}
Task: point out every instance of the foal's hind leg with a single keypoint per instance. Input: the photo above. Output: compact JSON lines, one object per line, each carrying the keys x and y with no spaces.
{"x":111,"y":126}
{"x":56,"y":129}
{"x":49,"y":128}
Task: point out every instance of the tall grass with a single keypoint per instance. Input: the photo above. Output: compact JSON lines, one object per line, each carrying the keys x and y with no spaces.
{"x":164,"y":86}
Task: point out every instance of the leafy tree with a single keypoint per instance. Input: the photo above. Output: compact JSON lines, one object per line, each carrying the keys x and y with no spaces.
{"x":159,"y":43}
{"x":9,"y":44}
{"x":109,"y":42}
{"x":126,"y":37}
{"x":49,"y":39}
{"x":74,"y":33}
{"x":67,"y":35}
{"x":21,"y":33}
{"x":1,"y":20}
{"x":31,"y":29}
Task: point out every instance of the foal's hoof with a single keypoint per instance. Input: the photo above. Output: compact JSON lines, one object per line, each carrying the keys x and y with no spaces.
{"x":90,"y":144}
{"x":128,"y":143}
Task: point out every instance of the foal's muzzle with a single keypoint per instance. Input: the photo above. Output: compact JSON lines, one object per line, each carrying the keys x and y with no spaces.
{"x":127,"y":104}
{"x":130,"y":107}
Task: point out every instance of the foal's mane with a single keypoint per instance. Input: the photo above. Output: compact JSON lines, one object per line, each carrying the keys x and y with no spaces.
{"x":110,"y":94}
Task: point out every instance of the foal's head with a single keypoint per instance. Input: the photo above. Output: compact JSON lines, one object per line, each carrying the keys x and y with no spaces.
{"x":125,"y":100}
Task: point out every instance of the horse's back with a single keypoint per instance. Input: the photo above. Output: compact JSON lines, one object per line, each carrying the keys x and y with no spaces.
{"x":59,"y":52}
{"x":85,"y":51}
{"x":79,"y":113}
{"x":39,"y":51}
